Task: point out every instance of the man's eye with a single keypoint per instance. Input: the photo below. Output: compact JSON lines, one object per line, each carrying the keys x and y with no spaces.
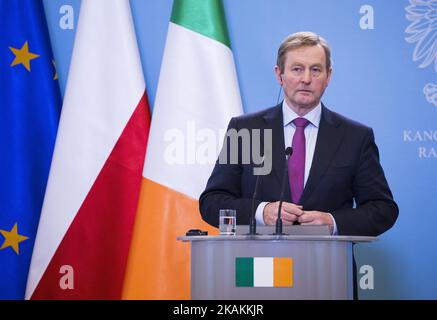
{"x":316,"y":71}
{"x":296,"y":69}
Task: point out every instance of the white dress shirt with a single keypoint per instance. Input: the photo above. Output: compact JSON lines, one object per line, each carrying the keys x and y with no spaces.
{"x":311,"y":131}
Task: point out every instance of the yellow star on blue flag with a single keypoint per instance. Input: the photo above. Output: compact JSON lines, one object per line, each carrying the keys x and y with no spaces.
{"x":12,"y":239}
{"x":23,"y":56}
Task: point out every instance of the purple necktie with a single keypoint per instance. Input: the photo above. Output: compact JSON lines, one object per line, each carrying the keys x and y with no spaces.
{"x":296,"y":163}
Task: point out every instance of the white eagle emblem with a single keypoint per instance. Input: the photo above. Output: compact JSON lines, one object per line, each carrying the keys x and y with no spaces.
{"x":423,"y":32}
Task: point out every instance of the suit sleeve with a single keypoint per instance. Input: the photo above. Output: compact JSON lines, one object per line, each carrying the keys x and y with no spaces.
{"x":375,"y":210}
{"x":224,"y":188}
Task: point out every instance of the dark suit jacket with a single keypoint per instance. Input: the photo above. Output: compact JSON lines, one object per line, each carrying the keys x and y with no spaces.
{"x":345,"y":179}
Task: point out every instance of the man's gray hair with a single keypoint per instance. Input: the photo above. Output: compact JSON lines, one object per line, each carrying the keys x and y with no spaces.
{"x":301,"y":39}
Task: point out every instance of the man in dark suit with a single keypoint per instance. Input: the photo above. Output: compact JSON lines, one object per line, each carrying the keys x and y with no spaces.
{"x":335,"y":177}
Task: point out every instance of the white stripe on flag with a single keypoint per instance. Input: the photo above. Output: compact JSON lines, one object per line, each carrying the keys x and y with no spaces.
{"x":197,"y":94}
{"x":263,"y":272}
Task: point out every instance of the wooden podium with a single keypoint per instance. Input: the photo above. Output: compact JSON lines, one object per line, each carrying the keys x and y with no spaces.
{"x":321,"y":265}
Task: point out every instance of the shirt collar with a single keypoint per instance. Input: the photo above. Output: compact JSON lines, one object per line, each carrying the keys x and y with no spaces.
{"x":313,"y":116}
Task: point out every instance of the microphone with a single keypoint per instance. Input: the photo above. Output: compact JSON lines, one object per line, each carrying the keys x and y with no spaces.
{"x":278,"y":231}
{"x":252,"y":221}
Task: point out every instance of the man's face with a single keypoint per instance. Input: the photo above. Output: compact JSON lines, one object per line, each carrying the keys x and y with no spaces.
{"x":305,"y":77}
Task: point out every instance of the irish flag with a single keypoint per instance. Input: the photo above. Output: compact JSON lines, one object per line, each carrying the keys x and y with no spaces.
{"x":196,"y":97}
{"x":263,"y":272}
{"x":90,"y":204}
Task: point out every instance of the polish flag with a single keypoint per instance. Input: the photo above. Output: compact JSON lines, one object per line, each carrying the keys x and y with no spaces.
{"x":86,"y":223}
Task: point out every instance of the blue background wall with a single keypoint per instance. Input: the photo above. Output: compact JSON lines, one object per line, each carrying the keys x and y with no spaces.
{"x":375,"y":81}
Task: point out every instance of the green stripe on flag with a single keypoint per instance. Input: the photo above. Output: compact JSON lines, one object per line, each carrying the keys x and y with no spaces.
{"x":206,"y":17}
{"x":244,"y":272}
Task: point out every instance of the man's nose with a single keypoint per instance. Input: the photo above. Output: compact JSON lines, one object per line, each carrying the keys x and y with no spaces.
{"x":306,"y":77}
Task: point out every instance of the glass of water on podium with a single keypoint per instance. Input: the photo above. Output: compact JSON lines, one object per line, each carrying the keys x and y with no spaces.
{"x":228,"y":221}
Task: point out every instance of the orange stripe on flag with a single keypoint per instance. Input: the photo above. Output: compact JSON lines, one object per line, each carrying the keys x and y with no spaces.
{"x":159,"y":265}
{"x":283,"y":272}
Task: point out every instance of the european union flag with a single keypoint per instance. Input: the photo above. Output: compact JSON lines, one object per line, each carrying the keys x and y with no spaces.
{"x":30,"y":106}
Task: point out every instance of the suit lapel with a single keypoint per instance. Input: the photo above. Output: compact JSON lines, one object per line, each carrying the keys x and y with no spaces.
{"x":329,"y":138}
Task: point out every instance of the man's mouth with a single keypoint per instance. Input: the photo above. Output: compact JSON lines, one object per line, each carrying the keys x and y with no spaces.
{"x":304,"y":91}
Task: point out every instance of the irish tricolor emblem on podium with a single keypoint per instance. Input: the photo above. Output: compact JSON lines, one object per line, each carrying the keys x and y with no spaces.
{"x":263,"y":272}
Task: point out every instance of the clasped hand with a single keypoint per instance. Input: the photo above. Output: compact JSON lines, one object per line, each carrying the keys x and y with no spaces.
{"x":291,"y":212}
